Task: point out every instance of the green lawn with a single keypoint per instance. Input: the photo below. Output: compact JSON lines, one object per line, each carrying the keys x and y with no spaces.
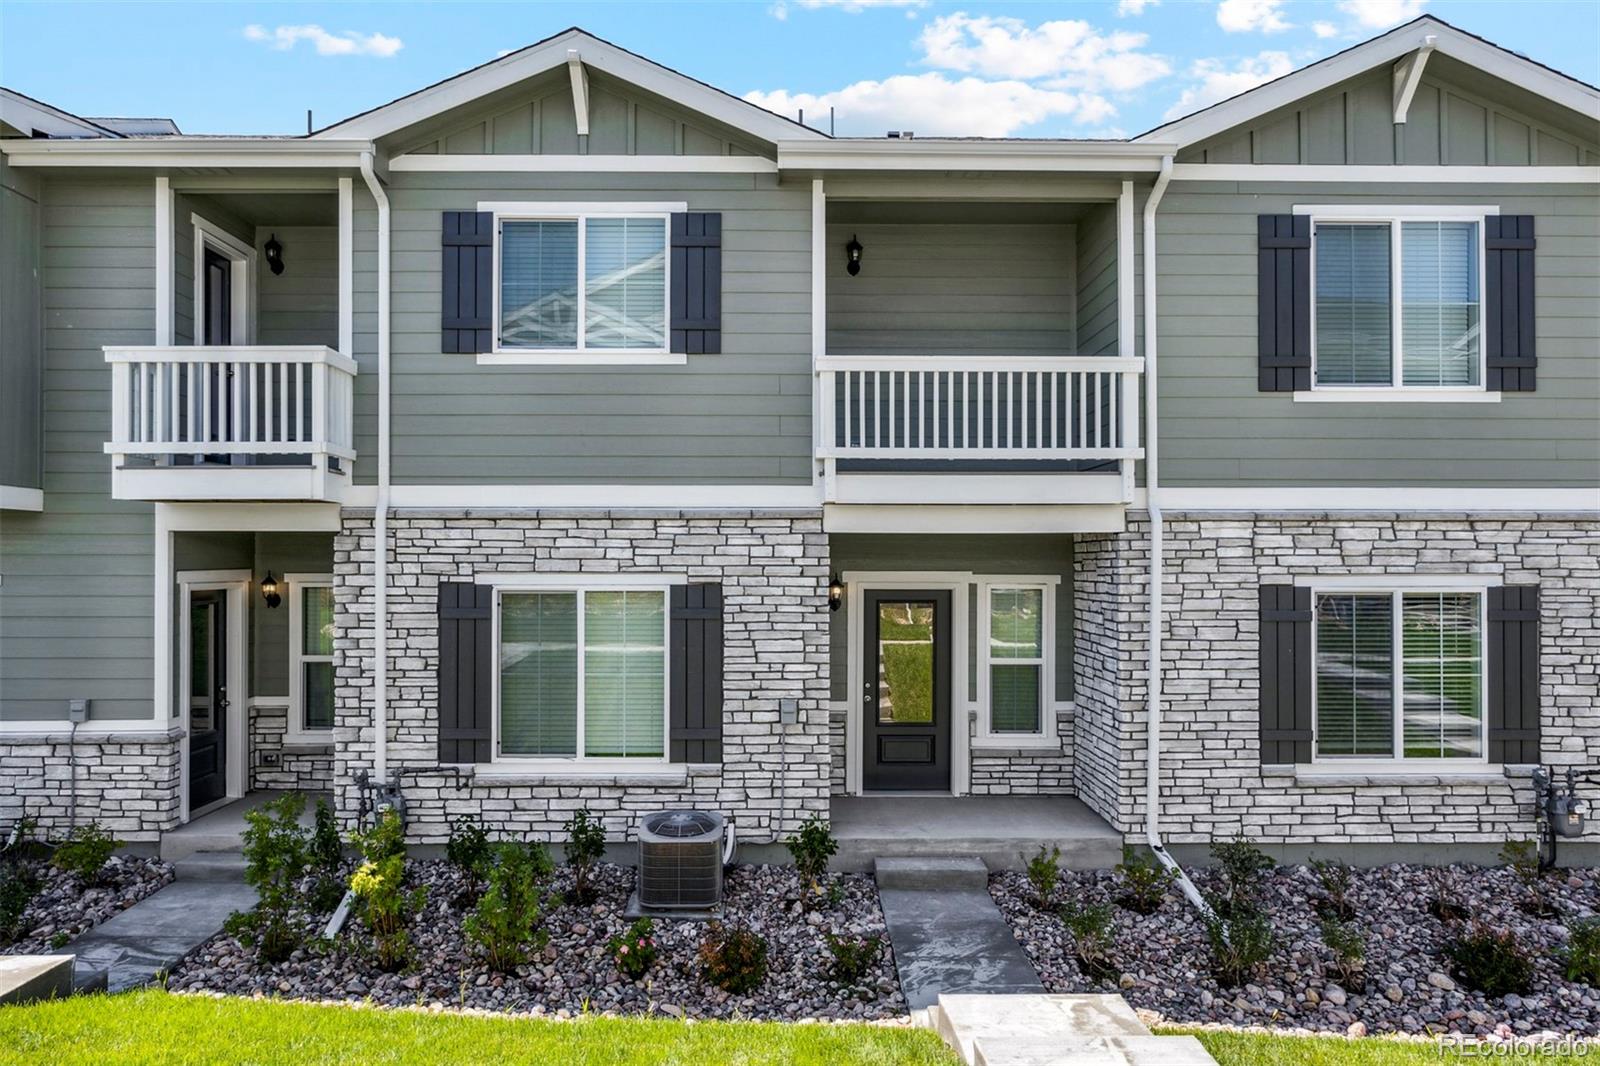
{"x":153,"y":1026}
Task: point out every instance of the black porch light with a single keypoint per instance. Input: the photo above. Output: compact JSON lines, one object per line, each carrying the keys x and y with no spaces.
{"x":835,"y":592}
{"x":269,"y":590}
{"x":274,"y":253}
{"x":852,"y":252}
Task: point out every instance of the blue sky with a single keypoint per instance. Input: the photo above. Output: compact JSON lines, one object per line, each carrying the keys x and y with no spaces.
{"x":1109,"y":68}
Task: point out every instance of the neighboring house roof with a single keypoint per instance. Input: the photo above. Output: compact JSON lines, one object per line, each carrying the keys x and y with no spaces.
{"x":39,"y":119}
{"x":1398,"y":43}
{"x":140,"y":127}
{"x":551,"y":53}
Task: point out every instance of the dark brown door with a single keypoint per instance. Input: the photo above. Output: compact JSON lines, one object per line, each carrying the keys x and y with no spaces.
{"x":208,"y":698}
{"x":906,"y":690}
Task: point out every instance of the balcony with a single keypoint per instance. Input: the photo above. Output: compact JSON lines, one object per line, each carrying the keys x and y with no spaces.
{"x":231,"y":422}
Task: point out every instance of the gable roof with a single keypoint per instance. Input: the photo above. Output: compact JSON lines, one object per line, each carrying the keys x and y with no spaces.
{"x":549,"y":54}
{"x":39,"y":119}
{"x":1399,"y":42}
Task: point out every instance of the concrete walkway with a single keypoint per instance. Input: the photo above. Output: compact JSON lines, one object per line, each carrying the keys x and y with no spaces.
{"x":1056,"y":1030}
{"x":151,"y":936}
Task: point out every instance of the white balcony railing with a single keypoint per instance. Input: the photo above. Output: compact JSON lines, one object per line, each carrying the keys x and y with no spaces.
{"x":248,"y":416}
{"x":967,"y":408}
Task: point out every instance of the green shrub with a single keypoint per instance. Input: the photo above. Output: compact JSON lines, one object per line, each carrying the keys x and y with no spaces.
{"x":1492,"y":961}
{"x":1241,"y":865}
{"x":852,"y":958}
{"x":379,"y":886}
{"x":1240,"y":941}
{"x":276,"y":854}
{"x":1044,"y":874}
{"x":85,"y":852}
{"x":1523,"y":858}
{"x":734,"y":959}
{"x":811,"y":849}
{"x":327,"y":861}
{"x":18,"y":885}
{"x":386,"y":839}
{"x":468,"y":851}
{"x":1090,"y":928}
{"x":1336,"y":879}
{"x":586,"y":845}
{"x":1349,"y":947}
{"x":635,"y":950}
{"x":1144,"y":881}
{"x":1581,"y":957}
{"x":505,"y":922}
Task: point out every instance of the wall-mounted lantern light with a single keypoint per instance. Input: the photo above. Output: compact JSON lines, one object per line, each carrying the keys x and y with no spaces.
{"x":274,"y":252}
{"x":269,"y":590}
{"x":835,"y":592}
{"x":852,"y":262}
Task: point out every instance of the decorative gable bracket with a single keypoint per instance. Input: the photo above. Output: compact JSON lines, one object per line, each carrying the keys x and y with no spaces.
{"x":1408,"y":75}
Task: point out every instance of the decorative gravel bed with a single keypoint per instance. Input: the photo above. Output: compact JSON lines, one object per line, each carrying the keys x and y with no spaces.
{"x":575,"y":972}
{"x":66,"y":907}
{"x":1164,"y":963}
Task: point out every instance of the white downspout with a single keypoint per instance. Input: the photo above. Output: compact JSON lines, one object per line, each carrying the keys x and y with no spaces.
{"x":380,"y":516}
{"x":1152,"y":802}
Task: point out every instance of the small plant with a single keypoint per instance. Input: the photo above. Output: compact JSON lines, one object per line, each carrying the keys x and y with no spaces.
{"x":1444,"y":901}
{"x":379,"y":885}
{"x":1240,"y":942}
{"x":852,"y":958}
{"x":1336,"y":879}
{"x":1581,"y":957}
{"x":386,"y":839}
{"x":635,"y":950}
{"x":505,"y":922}
{"x":1144,"y":881}
{"x":276,"y":854}
{"x":85,"y":852}
{"x":1241,"y":864}
{"x":1090,"y":928}
{"x":1492,"y":961}
{"x":327,"y":860}
{"x":811,"y":849}
{"x":1044,"y":874}
{"x":1349,"y":947}
{"x":1523,"y":858}
{"x":586,"y":845}
{"x":59,"y":940}
{"x":18,"y":885}
{"x":468,"y":851}
{"x":733,"y":958}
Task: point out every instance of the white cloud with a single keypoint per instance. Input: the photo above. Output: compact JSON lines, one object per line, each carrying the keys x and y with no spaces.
{"x":1244,"y":16}
{"x":1381,"y":14}
{"x":344,"y":43}
{"x":1126,"y":8}
{"x":1324,"y":29}
{"x":1214,"y":80}
{"x":936,"y":105}
{"x":1070,"y":51}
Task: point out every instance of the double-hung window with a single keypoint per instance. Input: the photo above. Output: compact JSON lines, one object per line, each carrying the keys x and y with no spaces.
{"x":1016,"y":638}
{"x":1397,"y":299}
{"x":582,"y":673}
{"x":582,"y":280}
{"x":310,"y":656}
{"x":1399,"y":674}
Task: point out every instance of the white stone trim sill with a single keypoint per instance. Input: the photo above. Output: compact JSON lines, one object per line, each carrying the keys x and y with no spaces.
{"x":60,"y":733}
{"x":662,"y":776}
{"x":1393,"y":395}
{"x":1325,"y":775}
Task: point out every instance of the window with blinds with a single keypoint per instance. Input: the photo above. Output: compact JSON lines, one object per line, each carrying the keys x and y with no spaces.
{"x":583,"y":674}
{"x":1398,"y":302}
{"x":621,"y":302}
{"x":310,"y":640}
{"x":1016,"y":660}
{"x":1399,"y":674}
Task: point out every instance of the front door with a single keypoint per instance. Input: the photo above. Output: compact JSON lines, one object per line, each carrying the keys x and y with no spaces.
{"x":905,"y":700}
{"x":208,"y":698}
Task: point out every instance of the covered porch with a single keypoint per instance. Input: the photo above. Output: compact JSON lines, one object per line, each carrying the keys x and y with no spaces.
{"x":1001,"y":830}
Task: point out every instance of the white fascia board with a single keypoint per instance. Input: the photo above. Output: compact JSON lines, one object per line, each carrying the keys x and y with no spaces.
{"x":732,"y":497}
{"x":535,"y":60}
{"x":1383,"y":498}
{"x":205,"y":152}
{"x":584,"y":164}
{"x":1387,"y":48}
{"x":1328,"y":173}
{"x":1117,"y":157}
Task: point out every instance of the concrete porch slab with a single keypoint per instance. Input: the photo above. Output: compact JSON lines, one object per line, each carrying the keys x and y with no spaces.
{"x":223,"y":828}
{"x":1000,"y":830}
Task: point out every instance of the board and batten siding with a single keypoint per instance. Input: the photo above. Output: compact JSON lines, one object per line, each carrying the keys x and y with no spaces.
{"x":741,"y":416}
{"x":21,"y":342}
{"x":1218,"y":430}
{"x":75,"y":579}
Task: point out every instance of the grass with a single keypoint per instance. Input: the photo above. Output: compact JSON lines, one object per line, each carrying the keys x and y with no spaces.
{"x":1261,"y":1049}
{"x":155,"y":1026}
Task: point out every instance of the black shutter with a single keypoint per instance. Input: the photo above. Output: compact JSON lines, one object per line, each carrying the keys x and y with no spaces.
{"x":1508,"y":303}
{"x":1286,"y":666}
{"x":696,"y":674}
{"x":1283,"y":310}
{"x":1513,"y":682}
{"x":697,"y":282}
{"x":466,"y":691}
{"x":466,"y":282}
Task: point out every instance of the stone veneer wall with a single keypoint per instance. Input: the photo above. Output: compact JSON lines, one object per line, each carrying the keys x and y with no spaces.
{"x":128,"y":782}
{"x":298,"y":767}
{"x":1213,"y":783}
{"x":996,"y":770}
{"x":773,"y":567}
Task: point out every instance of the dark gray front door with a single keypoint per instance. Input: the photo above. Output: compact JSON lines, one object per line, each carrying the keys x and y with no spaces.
{"x":906,"y":690}
{"x":208,"y":698}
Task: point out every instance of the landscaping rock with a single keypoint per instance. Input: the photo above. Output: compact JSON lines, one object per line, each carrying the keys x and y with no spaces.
{"x":66,"y":907}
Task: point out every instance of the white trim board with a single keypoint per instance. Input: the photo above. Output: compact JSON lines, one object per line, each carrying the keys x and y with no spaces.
{"x":583,"y":164}
{"x":294,"y":731}
{"x":1393,"y":394}
{"x":248,"y":517}
{"x":241,"y":276}
{"x":235,"y":585}
{"x":1364,"y":174}
{"x":1397,"y":498}
{"x":20,"y":498}
{"x":665,"y":497}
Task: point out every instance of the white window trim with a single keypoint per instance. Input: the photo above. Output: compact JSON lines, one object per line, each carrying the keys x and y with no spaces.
{"x":1398,"y":764}
{"x":1047,"y":736}
{"x":297,"y":731}
{"x":580,"y":585}
{"x":581,"y":212}
{"x":208,"y":234}
{"x":1394,"y":392}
